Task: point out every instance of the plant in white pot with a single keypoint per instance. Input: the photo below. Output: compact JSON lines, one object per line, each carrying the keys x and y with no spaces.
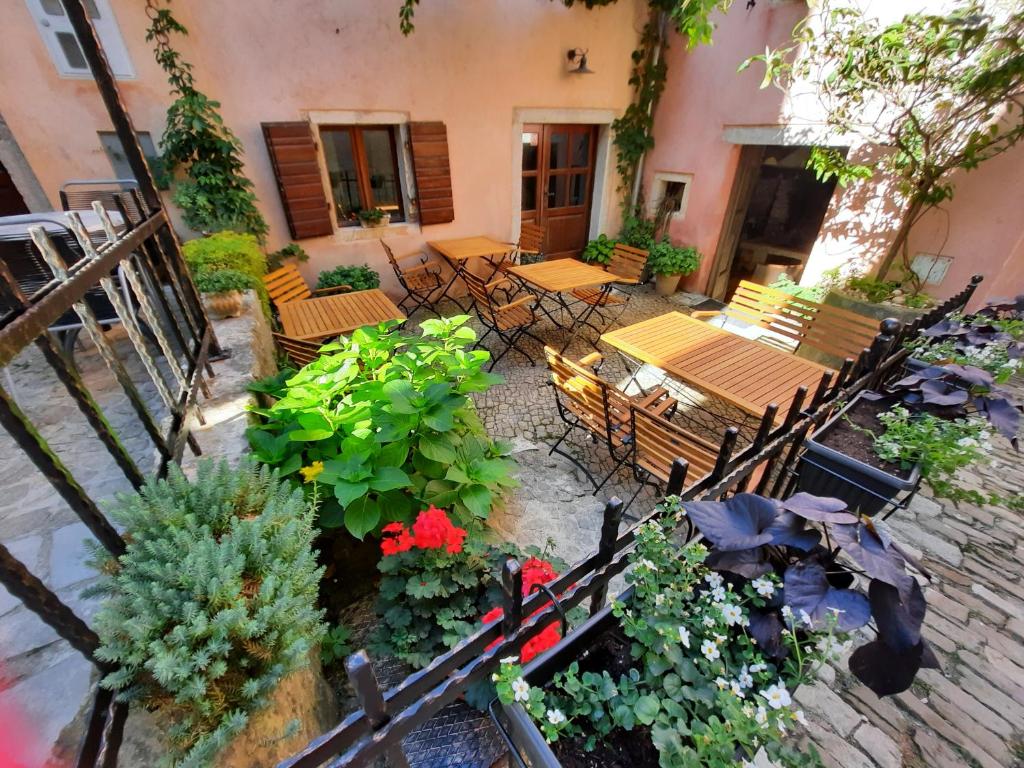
{"x":374,"y":217}
{"x":222,"y":291}
{"x":210,"y":616}
{"x":668,"y":263}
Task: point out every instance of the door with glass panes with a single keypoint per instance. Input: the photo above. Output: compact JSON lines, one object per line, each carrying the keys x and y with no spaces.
{"x":558,"y":184}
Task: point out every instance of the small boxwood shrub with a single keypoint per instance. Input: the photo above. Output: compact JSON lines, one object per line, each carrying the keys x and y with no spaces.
{"x":360,"y":278}
{"x":213,"y":602}
{"x":228,"y":251}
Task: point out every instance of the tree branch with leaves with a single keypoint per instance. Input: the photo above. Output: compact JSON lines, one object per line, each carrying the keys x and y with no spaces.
{"x":939,"y":93}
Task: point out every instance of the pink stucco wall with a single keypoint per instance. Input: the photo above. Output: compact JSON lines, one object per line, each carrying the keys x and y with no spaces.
{"x":703,"y":95}
{"x":470,"y":65}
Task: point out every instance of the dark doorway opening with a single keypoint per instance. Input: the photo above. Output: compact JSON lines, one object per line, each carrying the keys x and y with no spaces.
{"x":779,"y":206}
{"x":11,"y":201}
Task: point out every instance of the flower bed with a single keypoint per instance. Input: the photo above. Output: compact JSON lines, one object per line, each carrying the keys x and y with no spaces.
{"x":701,"y":658}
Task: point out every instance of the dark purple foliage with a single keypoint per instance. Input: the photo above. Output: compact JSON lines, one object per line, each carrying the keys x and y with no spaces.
{"x":741,"y":522}
{"x":869,"y":546}
{"x":889,"y":663}
{"x":807,"y":589}
{"x":821,"y":509}
{"x":749,"y":563}
{"x":766,"y":628}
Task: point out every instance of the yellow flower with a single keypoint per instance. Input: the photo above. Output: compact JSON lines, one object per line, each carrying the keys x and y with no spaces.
{"x":312,"y":472}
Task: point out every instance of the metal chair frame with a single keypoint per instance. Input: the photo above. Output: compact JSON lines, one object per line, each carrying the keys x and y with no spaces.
{"x":418,"y":297}
{"x":490,"y":316}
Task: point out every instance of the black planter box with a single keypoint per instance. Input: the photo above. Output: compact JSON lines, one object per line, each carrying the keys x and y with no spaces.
{"x":824,"y":471}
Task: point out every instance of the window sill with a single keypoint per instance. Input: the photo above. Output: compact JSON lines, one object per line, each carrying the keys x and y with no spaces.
{"x":356,"y":234}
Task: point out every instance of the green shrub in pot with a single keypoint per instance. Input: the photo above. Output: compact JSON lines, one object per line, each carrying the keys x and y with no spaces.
{"x":599,"y":250}
{"x":295,"y":251}
{"x":668,"y":262}
{"x":358,"y":278}
{"x":224,"y":281}
{"x":212,"y":604}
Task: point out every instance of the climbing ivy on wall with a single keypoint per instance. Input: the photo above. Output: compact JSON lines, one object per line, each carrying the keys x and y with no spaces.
{"x":633,"y":132}
{"x":214,"y":194}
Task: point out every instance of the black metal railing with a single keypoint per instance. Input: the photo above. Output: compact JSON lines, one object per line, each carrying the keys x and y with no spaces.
{"x":149,"y":293}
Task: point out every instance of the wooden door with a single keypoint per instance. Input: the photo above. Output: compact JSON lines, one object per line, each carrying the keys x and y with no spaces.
{"x":739,"y":198}
{"x":11,"y":201}
{"x":558,"y":184}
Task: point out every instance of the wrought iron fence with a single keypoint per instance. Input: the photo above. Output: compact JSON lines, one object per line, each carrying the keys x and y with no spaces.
{"x":55,"y":275}
{"x":386,"y":718}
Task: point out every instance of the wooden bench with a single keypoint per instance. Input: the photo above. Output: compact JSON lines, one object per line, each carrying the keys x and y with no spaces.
{"x":833,"y":331}
{"x":286,"y":284}
{"x":299,"y":352}
{"x":587,"y":402}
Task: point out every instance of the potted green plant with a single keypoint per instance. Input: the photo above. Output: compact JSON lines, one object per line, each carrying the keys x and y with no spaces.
{"x":357,"y":278}
{"x":222,"y":291}
{"x":878,"y":299}
{"x":294,"y":251}
{"x":696,"y":663}
{"x":598,"y":251}
{"x":209,"y":617}
{"x":374,"y":217}
{"x":668,"y":263}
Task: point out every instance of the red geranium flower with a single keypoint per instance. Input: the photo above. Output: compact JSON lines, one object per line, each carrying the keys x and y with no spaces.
{"x":534,"y":571}
{"x":400,"y":540}
{"x":433,"y":530}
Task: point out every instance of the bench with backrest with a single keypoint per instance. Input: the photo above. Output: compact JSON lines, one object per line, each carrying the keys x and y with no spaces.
{"x":587,"y":402}
{"x":794,"y":322}
{"x":286,"y":284}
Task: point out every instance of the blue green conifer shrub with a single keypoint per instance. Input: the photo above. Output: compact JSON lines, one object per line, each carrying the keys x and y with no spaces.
{"x":213,"y":602}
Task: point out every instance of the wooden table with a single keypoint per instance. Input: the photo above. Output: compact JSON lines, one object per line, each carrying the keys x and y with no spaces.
{"x":463,"y":249}
{"x":460,"y":250}
{"x":328,"y":316}
{"x":744,"y":373}
{"x":558,"y":276}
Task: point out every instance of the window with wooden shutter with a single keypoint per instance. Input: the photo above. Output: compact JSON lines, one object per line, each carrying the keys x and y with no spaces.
{"x":433,"y":172}
{"x":293,"y":153}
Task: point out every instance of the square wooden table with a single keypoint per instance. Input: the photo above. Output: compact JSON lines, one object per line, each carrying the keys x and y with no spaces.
{"x":328,"y":316}
{"x":558,"y":276}
{"x":463,"y":249}
{"x":460,"y":250}
{"x":744,"y":373}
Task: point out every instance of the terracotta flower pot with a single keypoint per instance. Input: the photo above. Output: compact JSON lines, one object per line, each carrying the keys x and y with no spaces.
{"x":222,"y":305}
{"x":666,"y":285}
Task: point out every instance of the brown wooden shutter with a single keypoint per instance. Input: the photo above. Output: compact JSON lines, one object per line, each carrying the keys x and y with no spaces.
{"x":293,"y":153}
{"x":433,"y":172}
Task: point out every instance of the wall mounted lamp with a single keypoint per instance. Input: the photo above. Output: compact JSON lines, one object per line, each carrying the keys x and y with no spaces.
{"x":577,"y":58}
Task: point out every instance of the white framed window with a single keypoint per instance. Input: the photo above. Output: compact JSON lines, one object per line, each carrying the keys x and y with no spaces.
{"x":670,"y":193}
{"x":58,"y":36}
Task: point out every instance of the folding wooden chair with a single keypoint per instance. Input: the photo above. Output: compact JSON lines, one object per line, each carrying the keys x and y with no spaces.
{"x":420,"y":282}
{"x":601,"y":411}
{"x":627,"y":264}
{"x":298,"y":351}
{"x":510,"y":321}
{"x":286,"y":284}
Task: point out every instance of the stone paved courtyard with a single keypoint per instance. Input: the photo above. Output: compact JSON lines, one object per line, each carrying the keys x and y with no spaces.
{"x":971,"y":714}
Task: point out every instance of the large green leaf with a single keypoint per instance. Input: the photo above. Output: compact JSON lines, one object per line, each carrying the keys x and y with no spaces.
{"x":309,"y":435}
{"x":389,"y":478}
{"x":362,"y":516}
{"x":477,"y":499}
{"x":346,"y":492}
{"x":401,"y":393}
{"x":330,"y":514}
{"x":395,"y":505}
{"x":438,"y":448}
{"x":394,"y":454}
{"x":440,"y":417}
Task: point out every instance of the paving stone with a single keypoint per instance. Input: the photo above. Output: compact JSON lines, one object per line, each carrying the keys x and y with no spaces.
{"x":68,"y":554}
{"x":936,"y":752}
{"x":951,"y":730}
{"x":828,"y":707}
{"x":50,"y":701}
{"x":1006,"y":606}
{"x":836,"y":751}
{"x":26,"y":549}
{"x":882,"y":749}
